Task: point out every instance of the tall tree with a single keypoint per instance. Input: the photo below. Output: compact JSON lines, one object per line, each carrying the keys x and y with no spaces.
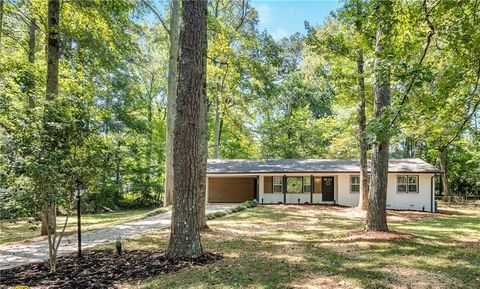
{"x":377,"y":199}
{"x":53,"y":56}
{"x":361,"y":118}
{"x":188,"y":152}
{"x":172,"y":93}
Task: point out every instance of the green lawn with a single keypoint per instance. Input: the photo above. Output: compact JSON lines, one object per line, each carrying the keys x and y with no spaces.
{"x":22,"y":230}
{"x":308,"y":247}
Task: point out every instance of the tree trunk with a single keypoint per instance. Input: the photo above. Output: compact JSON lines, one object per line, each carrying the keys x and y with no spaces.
{"x":362,"y":119}
{"x":217,"y":128}
{"x":171,"y":98}
{"x":53,"y":55}
{"x":377,"y":198}
{"x":188,"y":151}
{"x":443,"y":167}
{"x":204,"y":160}
{"x":53,"y":48}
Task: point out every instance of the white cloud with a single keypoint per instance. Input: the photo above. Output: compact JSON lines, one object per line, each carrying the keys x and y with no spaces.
{"x":279,"y":33}
{"x":264,"y":14}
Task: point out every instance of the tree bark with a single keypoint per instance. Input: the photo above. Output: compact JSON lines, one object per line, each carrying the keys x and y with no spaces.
{"x":189,"y":125}
{"x":53,"y":48}
{"x":362,"y":119}
{"x":53,"y":55}
{"x":171,"y":98}
{"x":377,"y":198}
{"x":443,"y":167}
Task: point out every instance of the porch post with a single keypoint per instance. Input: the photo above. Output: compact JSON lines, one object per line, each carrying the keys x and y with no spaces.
{"x":312,"y":184}
{"x":284,"y":180}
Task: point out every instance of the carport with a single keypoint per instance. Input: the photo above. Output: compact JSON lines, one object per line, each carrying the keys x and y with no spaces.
{"x":231,"y":189}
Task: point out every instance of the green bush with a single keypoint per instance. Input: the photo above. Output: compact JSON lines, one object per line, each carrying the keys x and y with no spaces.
{"x":249,"y":204}
{"x":242,"y":207}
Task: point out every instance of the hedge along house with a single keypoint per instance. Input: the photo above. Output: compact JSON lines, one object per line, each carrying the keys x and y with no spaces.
{"x":411,"y":182}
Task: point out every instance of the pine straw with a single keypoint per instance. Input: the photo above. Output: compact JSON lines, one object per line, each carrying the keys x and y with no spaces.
{"x":374,"y":236}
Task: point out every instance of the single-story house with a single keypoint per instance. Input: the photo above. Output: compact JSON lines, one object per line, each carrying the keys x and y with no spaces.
{"x":411,"y":182}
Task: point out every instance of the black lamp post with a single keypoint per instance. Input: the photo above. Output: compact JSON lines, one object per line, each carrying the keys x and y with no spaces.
{"x":81,"y":188}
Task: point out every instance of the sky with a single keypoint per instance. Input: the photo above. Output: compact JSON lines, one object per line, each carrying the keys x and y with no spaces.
{"x":282,"y":18}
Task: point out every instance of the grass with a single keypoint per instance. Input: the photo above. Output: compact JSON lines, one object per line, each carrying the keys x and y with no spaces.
{"x":23,"y":230}
{"x":309,"y":247}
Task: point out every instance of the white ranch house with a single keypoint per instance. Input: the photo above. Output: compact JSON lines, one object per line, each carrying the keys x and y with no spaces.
{"x":411,"y":183}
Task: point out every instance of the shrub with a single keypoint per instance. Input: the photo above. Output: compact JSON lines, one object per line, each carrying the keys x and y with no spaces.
{"x":250,"y":204}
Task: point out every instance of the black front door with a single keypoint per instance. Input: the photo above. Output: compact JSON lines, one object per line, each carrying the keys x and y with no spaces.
{"x":327,"y":189}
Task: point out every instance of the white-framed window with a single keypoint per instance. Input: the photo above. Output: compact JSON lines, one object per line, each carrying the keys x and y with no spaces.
{"x":407,"y":184}
{"x":307,"y":185}
{"x":354,"y":184}
{"x":278,"y":185}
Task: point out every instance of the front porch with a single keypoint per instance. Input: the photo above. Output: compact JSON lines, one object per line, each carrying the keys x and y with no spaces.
{"x":298,"y":189}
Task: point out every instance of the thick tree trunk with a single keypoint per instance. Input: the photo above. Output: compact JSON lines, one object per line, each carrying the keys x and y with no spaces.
{"x":377,"y":198}
{"x":443,"y":167}
{"x":188,"y":151}
{"x":217,"y":128}
{"x":362,"y":119}
{"x":53,"y":55}
{"x":53,"y":48}
{"x":204,"y":158}
{"x":171,"y":98}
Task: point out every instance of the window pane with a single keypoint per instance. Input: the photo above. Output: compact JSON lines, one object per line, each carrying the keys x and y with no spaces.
{"x":355,"y":180}
{"x":306,"y":188}
{"x":412,"y":188}
{"x":402,"y":179}
{"x":277,"y":189}
{"x":306,"y":181}
{"x":402,"y":188}
{"x":277,"y":180}
{"x":412,"y":179}
{"x":294,"y":185}
{"x":355,"y":188}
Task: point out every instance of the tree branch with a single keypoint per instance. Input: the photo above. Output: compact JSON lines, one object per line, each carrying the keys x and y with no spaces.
{"x":422,"y":58}
{"x":475,"y":107}
{"x":156,"y":14}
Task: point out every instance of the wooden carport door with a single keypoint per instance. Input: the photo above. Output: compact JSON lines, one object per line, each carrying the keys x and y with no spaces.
{"x":231,"y":189}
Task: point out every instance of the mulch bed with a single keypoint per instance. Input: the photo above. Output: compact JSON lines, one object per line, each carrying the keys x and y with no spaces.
{"x":98,"y":269}
{"x":373,"y":236}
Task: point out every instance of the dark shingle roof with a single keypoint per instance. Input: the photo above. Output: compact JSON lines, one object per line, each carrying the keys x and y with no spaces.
{"x":245,"y":166}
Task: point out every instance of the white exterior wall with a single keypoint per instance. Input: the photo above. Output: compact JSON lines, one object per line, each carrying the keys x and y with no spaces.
{"x":420,"y":201}
{"x":398,"y":201}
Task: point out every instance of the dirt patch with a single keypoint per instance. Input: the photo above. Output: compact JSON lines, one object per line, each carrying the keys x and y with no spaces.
{"x":407,"y":278}
{"x":372,"y":236}
{"x":99,"y":269}
{"x":322,"y":207}
{"x":407,"y":216}
{"x":470,"y":244}
{"x":320,"y":281}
